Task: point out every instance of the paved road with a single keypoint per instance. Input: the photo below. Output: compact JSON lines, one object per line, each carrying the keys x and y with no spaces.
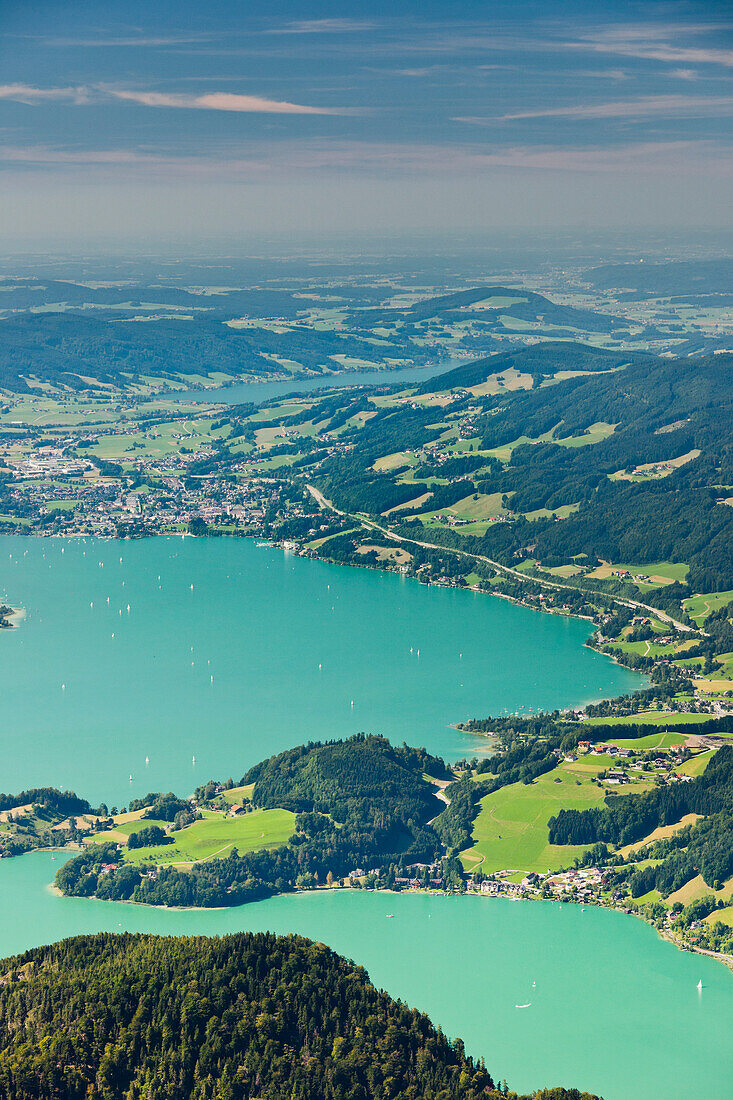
{"x":506,"y":569}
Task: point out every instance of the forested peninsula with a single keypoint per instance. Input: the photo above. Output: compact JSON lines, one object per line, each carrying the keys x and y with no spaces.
{"x":623,"y":813}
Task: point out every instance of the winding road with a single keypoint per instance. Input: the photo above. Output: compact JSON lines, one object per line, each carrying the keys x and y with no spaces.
{"x":328,"y":505}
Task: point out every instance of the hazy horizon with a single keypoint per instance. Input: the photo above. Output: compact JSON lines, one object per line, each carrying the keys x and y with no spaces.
{"x":132,"y":123}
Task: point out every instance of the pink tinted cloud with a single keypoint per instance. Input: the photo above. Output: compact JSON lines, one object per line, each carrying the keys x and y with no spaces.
{"x":324,"y":26}
{"x":395,"y":159}
{"x":223,"y":101}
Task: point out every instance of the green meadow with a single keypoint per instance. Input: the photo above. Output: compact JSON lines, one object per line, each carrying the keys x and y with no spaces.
{"x":511,"y":828}
{"x":699,"y":607}
{"x":215,"y":836}
{"x":663,"y":740}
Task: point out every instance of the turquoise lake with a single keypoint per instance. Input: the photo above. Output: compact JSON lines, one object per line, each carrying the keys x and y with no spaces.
{"x":231,"y":651}
{"x":203,"y":656}
{"x":614,"y":1009}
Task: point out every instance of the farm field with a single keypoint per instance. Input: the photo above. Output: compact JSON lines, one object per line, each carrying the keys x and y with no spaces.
{"x":479,"y":508}
{"x":649,"y":717}
{"x":236,"y":794}
{"x":714,"y":686}
{"x":665,"y":740}
{"x":696,"y":765}
{"x":725,"y":916}
{"x":661,"y":833}
{"x":645,"y":649}
{"x":163,"y":439}
{"x":594,"y":434}
{"x":698,"y":888}
{"x":660,"y":572}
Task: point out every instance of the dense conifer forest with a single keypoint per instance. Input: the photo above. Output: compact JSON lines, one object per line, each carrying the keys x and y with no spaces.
{"x":248,"y":1016}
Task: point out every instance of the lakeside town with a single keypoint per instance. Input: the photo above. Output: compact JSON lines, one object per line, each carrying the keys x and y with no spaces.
{"x":57,"y":485}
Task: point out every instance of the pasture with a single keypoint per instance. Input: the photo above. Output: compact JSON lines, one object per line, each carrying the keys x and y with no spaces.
{"x":215,"y":836}
{"x":511,"y":828}
{"x":699,"y":607}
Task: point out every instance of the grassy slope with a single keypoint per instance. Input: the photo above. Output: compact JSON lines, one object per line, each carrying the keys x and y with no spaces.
{"x":511,"y":828}
{"x":217,"y":835}
{"x":699,"y":607}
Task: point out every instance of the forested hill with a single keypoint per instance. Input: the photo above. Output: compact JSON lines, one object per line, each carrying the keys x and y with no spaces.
{"x":70,"y":349}
{"x":539,"y":360}
{"x":360,"y":803}
{"x":338,"y":777}
{"x":675,"y":277}
{"x":250,"y":1015}
{"x":640,"y":457}
{"x":75,"y":337}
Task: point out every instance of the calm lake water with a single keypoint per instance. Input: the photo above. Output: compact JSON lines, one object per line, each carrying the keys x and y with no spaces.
{"x":257,"y":392}
{"x":614,"y":1009}
{"x":229,"y":652}
{"x":175,"y":660}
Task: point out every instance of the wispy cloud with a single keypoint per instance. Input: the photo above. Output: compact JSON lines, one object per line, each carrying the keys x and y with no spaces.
{"x":210,"y":101}
{"x":224,"y":101}
{"x":385,"y":159}
{"x":26,"y":93}
{"x":426,"y":70}
{"x":674,"y":106}
{"x":604,"y":74}
{"x":132,"y":40}
{"x":658,"y":42}
{"x":324,"y":26}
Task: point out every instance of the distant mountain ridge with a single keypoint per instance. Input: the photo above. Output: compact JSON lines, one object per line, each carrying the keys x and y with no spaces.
{"x":515,"y":302}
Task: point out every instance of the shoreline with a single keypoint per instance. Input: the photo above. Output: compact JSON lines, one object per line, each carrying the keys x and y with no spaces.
{"x":718,"y":956}
{"x":663,"y":933}
{"x":19,"y":614}
{"x":15,"y":618}
{"x":280,"y":379}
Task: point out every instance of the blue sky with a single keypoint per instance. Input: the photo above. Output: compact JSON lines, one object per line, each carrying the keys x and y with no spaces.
{"x":230,"y":117}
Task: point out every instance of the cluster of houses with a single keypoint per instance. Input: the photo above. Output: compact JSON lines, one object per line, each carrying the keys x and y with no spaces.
{"x":421,"y":875}
{"x":662,"y":762}
{"x":582,"y":883}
